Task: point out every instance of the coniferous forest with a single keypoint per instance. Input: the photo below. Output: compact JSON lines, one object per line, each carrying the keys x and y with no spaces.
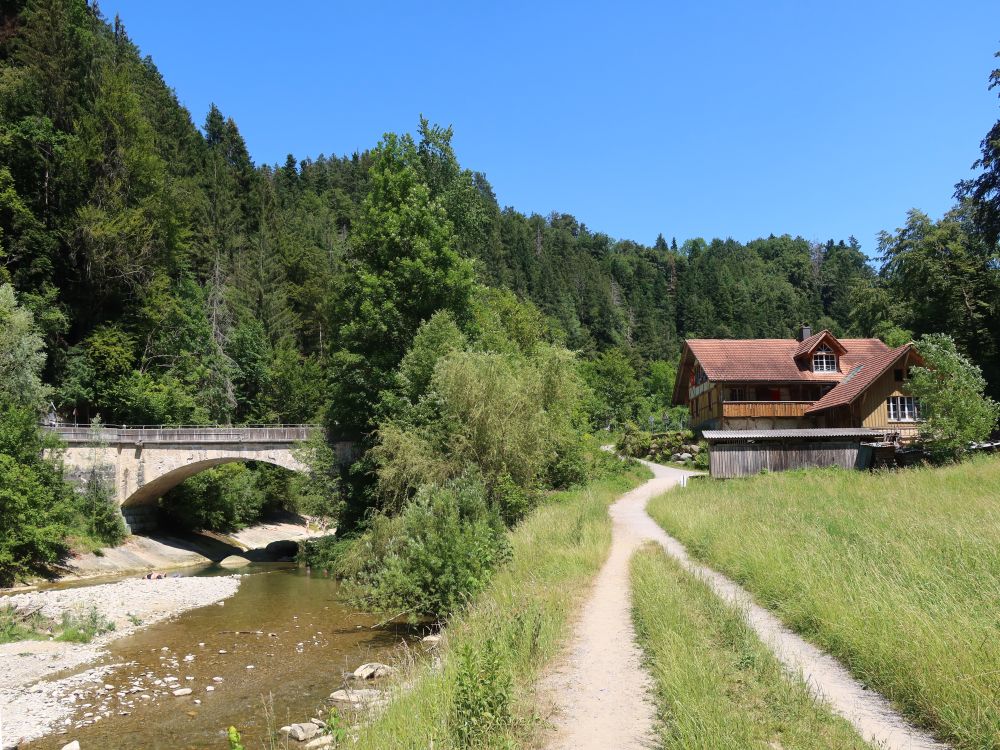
{"x":161,"y":276}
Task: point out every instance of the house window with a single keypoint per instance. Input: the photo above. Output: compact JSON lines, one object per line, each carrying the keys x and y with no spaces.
{"x":824,"y":360}
{"x":737,"y":394}
{"x":899,"y":375}
{"x":903,"y":409}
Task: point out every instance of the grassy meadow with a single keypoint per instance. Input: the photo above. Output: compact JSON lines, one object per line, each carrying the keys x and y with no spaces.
{"x":482,"y":696}
{"x":717,"y":686}
{"x":895,"y":573}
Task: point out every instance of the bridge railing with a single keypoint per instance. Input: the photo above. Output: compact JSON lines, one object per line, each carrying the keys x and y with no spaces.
{"x":272,"y":433}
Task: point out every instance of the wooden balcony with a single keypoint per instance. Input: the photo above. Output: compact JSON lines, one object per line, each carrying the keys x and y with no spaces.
{"x":765,"y":408}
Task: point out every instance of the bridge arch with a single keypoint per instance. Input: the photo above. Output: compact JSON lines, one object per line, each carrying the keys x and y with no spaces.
{"x":147,"y":494}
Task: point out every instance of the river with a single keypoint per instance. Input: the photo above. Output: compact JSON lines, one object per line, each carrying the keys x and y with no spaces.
{"x":282,"y":644}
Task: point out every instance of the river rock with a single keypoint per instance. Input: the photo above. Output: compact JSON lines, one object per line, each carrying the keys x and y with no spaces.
{"x":302,"y":732}
{"x":431,"y":640}
{"x":324,"y":741}
{"x":373,"y":671}
{"x":234,"y":561}
{"x":182,"y":691}
{"x":74,"y":745}
{"x":356,"y":698}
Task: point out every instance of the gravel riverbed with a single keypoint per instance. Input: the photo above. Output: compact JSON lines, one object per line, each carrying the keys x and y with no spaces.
{"x":40,"y":680}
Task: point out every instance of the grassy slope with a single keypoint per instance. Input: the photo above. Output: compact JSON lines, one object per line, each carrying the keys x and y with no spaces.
{"x":717,"y":685}
{"x":522,"y":619}
{"x":897,"y":574}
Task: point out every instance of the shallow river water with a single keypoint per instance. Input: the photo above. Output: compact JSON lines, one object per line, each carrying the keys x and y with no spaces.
{"x":308,"y":639}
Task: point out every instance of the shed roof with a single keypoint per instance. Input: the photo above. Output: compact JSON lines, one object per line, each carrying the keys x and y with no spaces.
{"x":832,"y":432}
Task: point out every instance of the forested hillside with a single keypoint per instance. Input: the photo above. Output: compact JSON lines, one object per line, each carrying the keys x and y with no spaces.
{"x":177,"y":281}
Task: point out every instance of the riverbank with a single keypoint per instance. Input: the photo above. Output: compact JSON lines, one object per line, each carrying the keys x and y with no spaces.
{"x":272,"y":541}
{"x":36,"y":693}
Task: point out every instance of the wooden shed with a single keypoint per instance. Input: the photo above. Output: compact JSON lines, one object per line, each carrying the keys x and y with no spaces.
{"x":741,"y":453}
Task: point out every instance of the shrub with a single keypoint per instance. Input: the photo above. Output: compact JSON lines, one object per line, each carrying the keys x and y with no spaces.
{"x":570,"y":465}
{"x":511,"y":501}
{"x":317,"y":492}
{"x":430,"y":559}
{"x":952,"y":402}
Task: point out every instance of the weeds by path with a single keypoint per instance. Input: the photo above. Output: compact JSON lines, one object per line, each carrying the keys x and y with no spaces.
{"x":717,"y":685}
{"x":895,"y":574}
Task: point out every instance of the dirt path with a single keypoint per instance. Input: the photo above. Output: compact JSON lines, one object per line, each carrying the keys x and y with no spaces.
{"x":601,"y":691}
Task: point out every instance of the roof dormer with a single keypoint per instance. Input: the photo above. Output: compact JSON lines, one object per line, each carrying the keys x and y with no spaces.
{"x":820,"y":352}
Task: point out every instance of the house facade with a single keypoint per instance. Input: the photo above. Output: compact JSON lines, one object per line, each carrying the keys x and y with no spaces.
{"x":815,"y":381}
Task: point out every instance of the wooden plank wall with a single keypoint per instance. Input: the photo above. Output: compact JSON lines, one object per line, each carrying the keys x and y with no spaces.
{"x":728,"y":460}
{"x":872,"y":404}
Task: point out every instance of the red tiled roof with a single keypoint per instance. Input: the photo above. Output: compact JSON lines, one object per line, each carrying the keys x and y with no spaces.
{"x":812,"y":342}
{"x":773,"y":360}
{"x":856,"y":382}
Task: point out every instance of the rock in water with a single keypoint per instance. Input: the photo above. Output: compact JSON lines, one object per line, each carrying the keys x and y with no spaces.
{"x":372,"y":671}
{"x":74,"y":745}
{"x":325,"y":741}
{"x":357,"y":698}
{"x":182,"y":691}
{"x":234,"y":561}
{"x":302,"y":732}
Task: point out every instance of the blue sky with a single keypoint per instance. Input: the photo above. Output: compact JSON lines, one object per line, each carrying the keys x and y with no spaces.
{"x":730,"y":119}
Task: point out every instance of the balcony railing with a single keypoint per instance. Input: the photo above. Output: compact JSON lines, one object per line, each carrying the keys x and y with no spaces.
{"x":765,"y":408}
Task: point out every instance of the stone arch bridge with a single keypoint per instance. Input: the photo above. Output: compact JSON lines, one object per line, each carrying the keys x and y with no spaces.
{"x":147,"y":461}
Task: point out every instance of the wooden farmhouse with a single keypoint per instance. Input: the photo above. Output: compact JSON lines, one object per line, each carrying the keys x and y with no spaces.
{"x":814,"y":390}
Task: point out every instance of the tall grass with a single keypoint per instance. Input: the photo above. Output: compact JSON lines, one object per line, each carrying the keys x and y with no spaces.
{"x":897,"y":574}
{"x":717,"y":686}
{"x":482,"y":694}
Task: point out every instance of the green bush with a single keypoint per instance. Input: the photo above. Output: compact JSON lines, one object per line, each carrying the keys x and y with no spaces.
{"x":325,"y":553}
{"x":634,"y":443}
{"x":431,"y":558}
{"x":511,"y":501}
{"x":570,"y":464}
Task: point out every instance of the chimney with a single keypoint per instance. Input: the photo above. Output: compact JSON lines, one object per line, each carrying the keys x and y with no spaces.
{"x":805,"y":332}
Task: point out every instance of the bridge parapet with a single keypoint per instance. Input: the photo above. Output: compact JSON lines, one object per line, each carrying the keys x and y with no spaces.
{"x":185,"y":434}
